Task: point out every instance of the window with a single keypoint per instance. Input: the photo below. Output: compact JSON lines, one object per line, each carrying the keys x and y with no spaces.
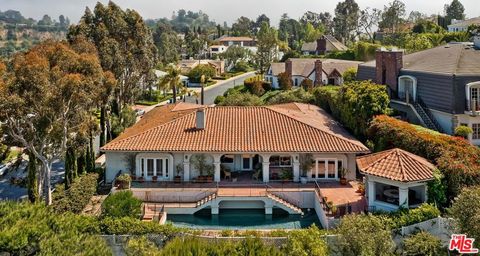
{"x":474,"y":100}
{"x":476,"y":131}
{"x":150,"y":167}
{"x":227,"y":159}
{"x":296,"y":82}
{"x":406,"y":87}
{"x":326,"y":169}
{"x":280,"y":161}
{"x":386,"y":193}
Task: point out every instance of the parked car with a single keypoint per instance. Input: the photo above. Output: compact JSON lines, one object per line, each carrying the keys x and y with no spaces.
{"x":140,"y":112}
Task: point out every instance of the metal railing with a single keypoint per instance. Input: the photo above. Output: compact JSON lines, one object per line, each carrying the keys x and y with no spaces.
{"x":429,"y":114}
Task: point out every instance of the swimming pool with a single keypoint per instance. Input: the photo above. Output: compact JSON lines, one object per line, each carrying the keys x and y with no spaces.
{"x":244,"y":219}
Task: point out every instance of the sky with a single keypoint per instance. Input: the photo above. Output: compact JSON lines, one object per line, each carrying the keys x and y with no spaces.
{"x":219,"y":10}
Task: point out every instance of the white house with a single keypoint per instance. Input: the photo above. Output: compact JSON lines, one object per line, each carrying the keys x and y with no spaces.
{"x":462,"y":25}
{"x":395,"y":178}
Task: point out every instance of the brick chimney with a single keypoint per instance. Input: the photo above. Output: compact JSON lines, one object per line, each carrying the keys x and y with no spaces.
{"x":200,"y":119}
{"x":388,"y":65}
{"x":321,"y":45}
{"x":289,"y":67}
{"x":318,"y":73}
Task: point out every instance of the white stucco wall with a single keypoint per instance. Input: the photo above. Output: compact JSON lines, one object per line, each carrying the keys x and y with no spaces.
{"x":114,"y":162}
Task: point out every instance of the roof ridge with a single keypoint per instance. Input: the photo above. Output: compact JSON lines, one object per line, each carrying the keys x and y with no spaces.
{"x":383,"y":153}
{"x":316,"y":128}
{"x":399,"y":154}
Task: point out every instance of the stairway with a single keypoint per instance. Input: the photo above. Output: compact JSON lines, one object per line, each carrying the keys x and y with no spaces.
{"x":206,"y":199}
{"x":285,"y":203}
{"x":429,"y":121}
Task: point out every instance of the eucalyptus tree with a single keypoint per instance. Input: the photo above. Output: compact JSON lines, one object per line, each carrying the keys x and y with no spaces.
{"x":48,"y":101}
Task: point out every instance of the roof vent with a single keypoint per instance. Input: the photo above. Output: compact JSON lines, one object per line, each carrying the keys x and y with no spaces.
{"x":200,"y":119}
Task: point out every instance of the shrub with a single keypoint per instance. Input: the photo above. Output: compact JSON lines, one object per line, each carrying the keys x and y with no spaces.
{"x":257,"y":88}
{"x":121,"y":204}
{"x":219,"y":99}
{"x":241,"y":99}
{"x":195,"y":246}
{"x":131,"y":226}
{"x":423,"y":243}
{"x":124,"y":181}
{"x":284,"y":81}
{"x":77,"y":196}
{"x":306,"y":242}
{"x":365,"y":51}
{"x":463,"y":131}
{"x":406,"y":217}
{"x":466,"y":212}
{"x":364,"y":235}
{"x":297,"y":95}
{"x":34,"y":229}
{"x":354,"y":104}
{"x":349,"y":75}
{"x":141,"y":246}
{"x":307,"y":84}
{"x":242,"y":66}
{"x":458,"y":160}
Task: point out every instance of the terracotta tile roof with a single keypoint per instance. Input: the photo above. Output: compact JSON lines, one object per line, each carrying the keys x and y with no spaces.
{"x":235,"y":38}
{"x":396,"y":164}
{"x":279,"y":128}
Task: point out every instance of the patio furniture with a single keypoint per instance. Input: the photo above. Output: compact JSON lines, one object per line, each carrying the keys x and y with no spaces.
{"x":256,"y":175}
{"x":227,"y":174}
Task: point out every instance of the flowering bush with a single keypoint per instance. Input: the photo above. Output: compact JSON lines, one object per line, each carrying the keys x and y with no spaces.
{"x":455,"y":157}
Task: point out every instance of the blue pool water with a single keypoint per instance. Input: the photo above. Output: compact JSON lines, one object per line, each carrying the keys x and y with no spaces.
{"x":233,"y":219}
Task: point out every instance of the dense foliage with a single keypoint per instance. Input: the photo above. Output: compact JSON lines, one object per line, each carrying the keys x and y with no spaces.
{"x":77,"y":196}
{"x":423,"y":243}
{"x":455,"y":157}
{"x":33,"y":229}
{"x":297,"y":95}
{"x":364,"y":235}
{"x":354,"y":104}
{"x":306,"y":242}
{"x":406,"y":217}
{"x":466,"y":211}
{"x":240,"y":99}
{"x":121,"y":204}
{"x":201,"y":70}
{"x":127,"y":225}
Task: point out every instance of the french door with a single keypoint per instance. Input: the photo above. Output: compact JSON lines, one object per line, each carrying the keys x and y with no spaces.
{"x":326,"y":169}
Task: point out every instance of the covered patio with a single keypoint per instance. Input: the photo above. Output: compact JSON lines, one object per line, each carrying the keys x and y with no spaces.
{"x":395,"y":178}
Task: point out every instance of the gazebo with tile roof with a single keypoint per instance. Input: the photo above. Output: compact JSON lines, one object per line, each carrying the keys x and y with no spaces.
{"x":395,"y":178}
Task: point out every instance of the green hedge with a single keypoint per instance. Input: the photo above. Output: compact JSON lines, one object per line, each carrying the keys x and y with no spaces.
{"x":407,"y":217}
{"x":456,"y":158}
{"x":77,"y":196}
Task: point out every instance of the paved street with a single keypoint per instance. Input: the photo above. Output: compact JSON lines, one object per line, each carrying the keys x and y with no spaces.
{"x":213,"y":91}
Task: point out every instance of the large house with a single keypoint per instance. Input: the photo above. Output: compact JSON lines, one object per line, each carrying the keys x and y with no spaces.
{"x":186,"y":66}
{"x":267,"y":140}
{"x":438,"y":88}
{"x":462,"y":25}
{"x":242,"y":41}
{"x":323,"y":45}
{"x":320,"y":71}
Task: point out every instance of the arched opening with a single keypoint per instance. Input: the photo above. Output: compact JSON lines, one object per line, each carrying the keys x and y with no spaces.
{"x":407,"y":88}
{"x":241,"y":167}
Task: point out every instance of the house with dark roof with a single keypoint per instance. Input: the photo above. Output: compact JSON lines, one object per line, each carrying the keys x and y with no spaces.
{"x":265,"y":141}
{"x":438,"y":88}
{"x":395,"y":178}
{"x":320,"y":71}
{"x":323,"y":45}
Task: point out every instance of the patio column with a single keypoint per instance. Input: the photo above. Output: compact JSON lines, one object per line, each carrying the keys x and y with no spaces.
{"x":186,"y":167}
{"x":371,"y":192}
{"x":216,"y":164}
{"x":403,"y":197}
{"x":266,"y":167}
{"x":296,"y":168}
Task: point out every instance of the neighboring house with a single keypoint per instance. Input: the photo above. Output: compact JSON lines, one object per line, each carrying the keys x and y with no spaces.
{"x":214,"y":50}
{"x":395,"y":178}
{"x":242,"y":41}
{"x":258,"y":143}
{"x":186,"y":66}
{"x":438,"y":88}
{"x":323,"y":45}
{"x":462,"y":25}
{"x":320,"y":71}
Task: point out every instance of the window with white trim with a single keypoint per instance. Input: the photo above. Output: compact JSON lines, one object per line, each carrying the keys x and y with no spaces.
{"x":476,"y":131}
{"x":407,"y":86}
{"x":326,"y":169}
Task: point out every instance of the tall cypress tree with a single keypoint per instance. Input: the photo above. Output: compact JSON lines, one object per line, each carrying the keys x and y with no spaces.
{"x":32,"y":178}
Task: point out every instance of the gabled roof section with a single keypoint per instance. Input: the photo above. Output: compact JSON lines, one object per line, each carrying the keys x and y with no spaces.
{"x":279,"y":128}
{"x":396,"y":164}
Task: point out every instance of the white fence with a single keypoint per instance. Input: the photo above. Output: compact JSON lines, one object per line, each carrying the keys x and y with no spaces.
{"x":440,"y":227}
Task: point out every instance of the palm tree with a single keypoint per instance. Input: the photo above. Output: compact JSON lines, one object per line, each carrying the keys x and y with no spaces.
{"x":195,"y":94}
{"x":171,"y":81}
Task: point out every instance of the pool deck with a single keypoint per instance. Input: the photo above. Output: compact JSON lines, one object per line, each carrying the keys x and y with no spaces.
{"x":339,"y":195}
